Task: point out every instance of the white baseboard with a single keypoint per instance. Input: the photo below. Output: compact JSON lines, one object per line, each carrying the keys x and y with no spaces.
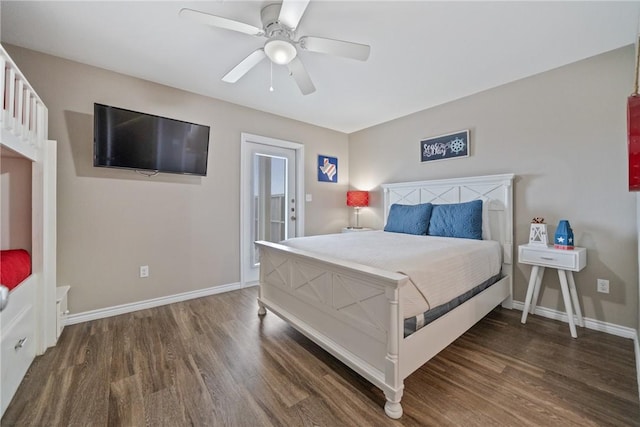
{"x":596,"y":325}
{"x":101,"y":313}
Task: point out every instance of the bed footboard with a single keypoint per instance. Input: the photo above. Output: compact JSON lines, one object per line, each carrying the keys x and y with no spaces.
{"x":350,"y":310}
{"x":355,"y":312}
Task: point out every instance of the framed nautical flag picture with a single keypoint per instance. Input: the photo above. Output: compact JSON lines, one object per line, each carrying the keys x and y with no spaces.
{"x":327,"y":169}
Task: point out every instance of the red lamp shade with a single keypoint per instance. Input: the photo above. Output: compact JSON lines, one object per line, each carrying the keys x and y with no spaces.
{"x":357,"y":199}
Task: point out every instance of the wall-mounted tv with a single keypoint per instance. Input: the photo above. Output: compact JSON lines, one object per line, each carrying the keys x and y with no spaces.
{"x":133,"y":140}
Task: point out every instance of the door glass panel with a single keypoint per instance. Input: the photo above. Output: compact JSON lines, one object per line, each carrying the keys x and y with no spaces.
{"x":269,"y":197}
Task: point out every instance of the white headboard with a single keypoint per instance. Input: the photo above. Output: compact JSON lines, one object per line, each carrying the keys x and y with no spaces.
{"x":497,"y":190}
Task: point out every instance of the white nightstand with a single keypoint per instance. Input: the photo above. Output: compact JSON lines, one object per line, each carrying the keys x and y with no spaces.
{"x":352,"y":230}
{"x":566,"y":262}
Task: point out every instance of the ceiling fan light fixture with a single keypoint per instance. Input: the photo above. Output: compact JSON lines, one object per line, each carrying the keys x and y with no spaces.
{"x":280,"y":51}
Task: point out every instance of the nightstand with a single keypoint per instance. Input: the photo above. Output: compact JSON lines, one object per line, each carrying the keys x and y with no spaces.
{"x":352,"y":229}
{"x":566,"y":262}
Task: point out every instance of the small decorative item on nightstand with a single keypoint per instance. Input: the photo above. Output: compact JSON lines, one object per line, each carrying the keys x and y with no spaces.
{"x":538,"y":233}
{"x":564,"y":236}
{"x":353,"y":229}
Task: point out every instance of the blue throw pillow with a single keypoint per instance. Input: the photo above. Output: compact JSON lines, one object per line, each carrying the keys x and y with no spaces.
{"x":462,"y":220}
{"x":409,"y":219}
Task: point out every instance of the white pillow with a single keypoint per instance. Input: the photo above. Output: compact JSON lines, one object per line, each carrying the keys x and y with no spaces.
{"x":486,"y":228}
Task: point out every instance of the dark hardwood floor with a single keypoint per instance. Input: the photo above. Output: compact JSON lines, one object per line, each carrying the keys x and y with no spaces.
{"x":213,"y":361}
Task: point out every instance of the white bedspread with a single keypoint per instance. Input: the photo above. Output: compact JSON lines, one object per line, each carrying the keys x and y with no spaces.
{"x":440,"y":268}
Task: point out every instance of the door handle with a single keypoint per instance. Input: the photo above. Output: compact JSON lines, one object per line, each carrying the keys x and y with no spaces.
{"x":293,"y":217}
{"x":20,"y":343}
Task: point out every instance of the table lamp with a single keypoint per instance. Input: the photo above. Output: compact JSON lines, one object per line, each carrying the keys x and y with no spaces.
{"x":357,"y":199}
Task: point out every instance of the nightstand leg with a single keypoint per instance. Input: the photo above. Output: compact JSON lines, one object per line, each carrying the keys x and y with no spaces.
{"x":536,"y":291}
{"x":567,"y":301}
{"x":574,"y":297}
{"x":532,"y":284}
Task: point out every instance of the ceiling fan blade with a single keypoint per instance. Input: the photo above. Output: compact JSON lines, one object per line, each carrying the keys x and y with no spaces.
{"x":300,"y":75}
{"x":335,"y":47}
{"x":220,"y":22}
{"x":244,"y":66}
{"x":291,"y":12}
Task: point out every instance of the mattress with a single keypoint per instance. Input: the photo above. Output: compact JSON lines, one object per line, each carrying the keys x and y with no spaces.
{"x":412,"y":324}
{"x":440,"y":269}
{"x":15,"y":266}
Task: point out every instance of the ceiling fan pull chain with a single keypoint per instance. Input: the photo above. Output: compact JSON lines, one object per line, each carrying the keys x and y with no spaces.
{"x":271,"y":83}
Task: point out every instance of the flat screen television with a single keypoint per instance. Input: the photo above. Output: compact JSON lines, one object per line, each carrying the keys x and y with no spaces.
{"x":133,"y":140}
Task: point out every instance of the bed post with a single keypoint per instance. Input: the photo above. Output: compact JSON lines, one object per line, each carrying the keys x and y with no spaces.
{"x":507,"y":247}
{"x":262,"y":310}
{"x":393,"y":379}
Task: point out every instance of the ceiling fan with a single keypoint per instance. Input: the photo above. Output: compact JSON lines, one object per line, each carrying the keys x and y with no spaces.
{"x":279,"y":23}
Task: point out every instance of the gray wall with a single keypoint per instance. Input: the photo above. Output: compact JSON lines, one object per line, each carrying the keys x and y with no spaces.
{"x":563,"y":133}
{"x":187,"y":229}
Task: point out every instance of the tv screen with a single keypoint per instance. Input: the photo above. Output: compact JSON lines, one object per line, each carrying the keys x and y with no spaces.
{"x":132,"y":140}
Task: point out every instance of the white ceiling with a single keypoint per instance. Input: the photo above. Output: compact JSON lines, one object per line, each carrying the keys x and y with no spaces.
{"x":422,"y":53}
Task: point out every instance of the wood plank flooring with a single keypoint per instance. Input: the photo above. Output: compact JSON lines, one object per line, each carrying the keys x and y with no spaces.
{"x":213,"y":362}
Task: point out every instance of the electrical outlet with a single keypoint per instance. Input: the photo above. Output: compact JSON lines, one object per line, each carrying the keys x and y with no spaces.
{"x":603,"y":286}
{"x":144,"y":271}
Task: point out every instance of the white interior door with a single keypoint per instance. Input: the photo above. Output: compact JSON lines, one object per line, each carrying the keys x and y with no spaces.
{"x":270,"y":205}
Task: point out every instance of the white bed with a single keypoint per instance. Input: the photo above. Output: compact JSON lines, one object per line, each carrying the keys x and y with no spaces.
{"x":359,"y":318}
{"x":28,"y":323}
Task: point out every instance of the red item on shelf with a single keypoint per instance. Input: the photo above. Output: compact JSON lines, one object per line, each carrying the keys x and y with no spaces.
{"x":15,"y":266}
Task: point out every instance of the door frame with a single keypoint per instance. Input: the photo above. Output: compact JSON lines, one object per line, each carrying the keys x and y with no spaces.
{"x":246,"y":139}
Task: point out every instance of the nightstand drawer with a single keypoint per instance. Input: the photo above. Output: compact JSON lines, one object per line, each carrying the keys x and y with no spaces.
{"x":574,"y":260}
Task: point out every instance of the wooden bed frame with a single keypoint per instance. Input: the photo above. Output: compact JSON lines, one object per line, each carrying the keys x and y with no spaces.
{"x":355,"y":312}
